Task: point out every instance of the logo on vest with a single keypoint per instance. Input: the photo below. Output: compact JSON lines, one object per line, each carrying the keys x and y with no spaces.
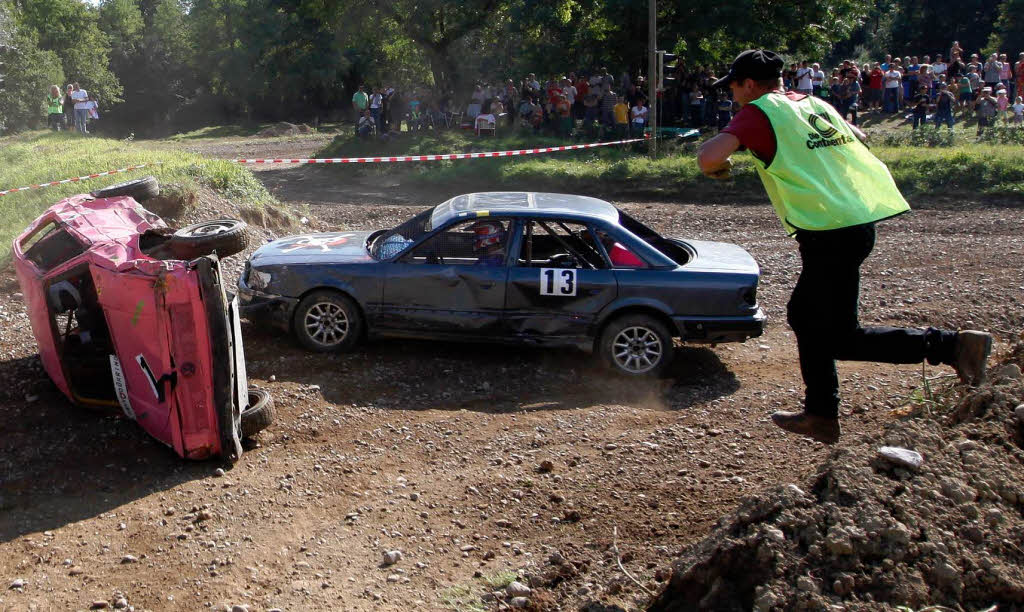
{"x":825,"y":134}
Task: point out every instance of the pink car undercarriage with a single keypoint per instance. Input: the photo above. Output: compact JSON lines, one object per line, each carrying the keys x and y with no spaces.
{"x":117,"y":326}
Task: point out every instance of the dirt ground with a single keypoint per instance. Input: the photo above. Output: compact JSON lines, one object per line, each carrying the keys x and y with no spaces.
{"x":480,"y":464}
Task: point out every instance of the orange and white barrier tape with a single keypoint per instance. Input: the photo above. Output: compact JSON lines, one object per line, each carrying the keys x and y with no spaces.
{"x":351,"y":160}
{"x":441,"y":157}
{"x":78,"y":178}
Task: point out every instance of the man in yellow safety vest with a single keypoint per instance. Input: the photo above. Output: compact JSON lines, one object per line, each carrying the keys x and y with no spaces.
{"x":828,"y":191}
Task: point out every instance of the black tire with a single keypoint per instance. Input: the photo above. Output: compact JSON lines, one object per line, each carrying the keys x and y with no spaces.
{"x":328,"y":321}
{"x":226,"y":237}
{"x":260,"y":413}
{"x":636,"y":345}
{"x":139,"y":190}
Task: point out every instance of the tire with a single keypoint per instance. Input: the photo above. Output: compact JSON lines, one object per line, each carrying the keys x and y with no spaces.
{"x":226,"y":237}
{"x":260,"y":413}
{"x":344,"y":322}
{"x":636,"y":345}
{"x":139,"y":190}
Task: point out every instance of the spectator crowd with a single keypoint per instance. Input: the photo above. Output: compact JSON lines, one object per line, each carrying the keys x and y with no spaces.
{"x":596,"y":104}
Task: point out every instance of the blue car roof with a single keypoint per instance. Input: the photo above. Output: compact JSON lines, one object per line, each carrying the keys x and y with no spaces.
{"x":523,"y":203}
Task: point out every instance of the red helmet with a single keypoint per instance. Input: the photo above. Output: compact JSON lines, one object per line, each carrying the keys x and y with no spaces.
{"x":488,"y":234}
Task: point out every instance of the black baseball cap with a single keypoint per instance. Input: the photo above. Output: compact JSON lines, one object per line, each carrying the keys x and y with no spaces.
{"x":757,"y":64}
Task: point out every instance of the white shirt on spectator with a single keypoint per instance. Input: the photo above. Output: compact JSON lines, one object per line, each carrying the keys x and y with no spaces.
{"x":803,"y":76}
{"x":375,"y":100}
{"x":939,"y":68}
{"x":892,"y":79}
{"x":81,"y":98}
{"x":1018,"y":109}
{"x":817,"y":78}
{"x":639,"y":114}
{"x":570,"y":94}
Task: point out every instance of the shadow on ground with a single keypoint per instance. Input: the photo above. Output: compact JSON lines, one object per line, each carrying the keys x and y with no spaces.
{"x":421,"y":375}
{"x":60,"y":464}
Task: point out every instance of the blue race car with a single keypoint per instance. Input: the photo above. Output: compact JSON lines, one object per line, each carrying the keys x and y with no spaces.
{"x":514,"y":267}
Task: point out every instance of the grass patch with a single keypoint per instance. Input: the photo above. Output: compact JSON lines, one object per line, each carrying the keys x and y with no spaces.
{"x":43,"y":156}
{"x":500,"y":580}
{"x":461,"y":599}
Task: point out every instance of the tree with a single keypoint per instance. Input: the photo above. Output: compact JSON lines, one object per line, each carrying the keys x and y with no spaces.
{"x":1008,"y":34}
{"x":30,"y":73}
{"x":436,"y":26}
{"x":70,"y":29}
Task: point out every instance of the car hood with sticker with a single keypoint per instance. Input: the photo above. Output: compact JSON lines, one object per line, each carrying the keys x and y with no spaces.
{"x":325,"y":247}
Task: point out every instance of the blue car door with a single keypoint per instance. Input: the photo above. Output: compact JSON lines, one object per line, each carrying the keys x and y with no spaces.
{"x":558,"y":283}
{"x":451,"y":284}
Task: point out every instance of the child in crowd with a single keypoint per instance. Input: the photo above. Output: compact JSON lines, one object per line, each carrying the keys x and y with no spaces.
{"x":1003,"y":102}
{"x":621,"y":113}
{"x":724,"y":109}
{"x":1018,"y":111}
{"x":639,"y":115}
{"x":920,"y":102}
{"x":366,"y":125}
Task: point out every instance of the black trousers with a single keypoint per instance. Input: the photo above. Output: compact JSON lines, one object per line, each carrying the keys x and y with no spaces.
{"x":823,"y":314}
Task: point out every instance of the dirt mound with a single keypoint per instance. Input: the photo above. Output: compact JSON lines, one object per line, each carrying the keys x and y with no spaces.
{"x":284,"y":129}
{"x":870,"y":530}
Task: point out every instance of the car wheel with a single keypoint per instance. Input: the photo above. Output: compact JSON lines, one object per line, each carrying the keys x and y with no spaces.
{"x":636,"y":345}
{"x":260,"y":413}
{"x":223,"y":236}
{"x":327,"y":321}
{"x":139,"y":190}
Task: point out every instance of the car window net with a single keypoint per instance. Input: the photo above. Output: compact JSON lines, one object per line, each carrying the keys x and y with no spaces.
{"x":476,"y":242}
{"x":559,"y":244}
{"x":51,"y":246}
{"x":395,"y":241}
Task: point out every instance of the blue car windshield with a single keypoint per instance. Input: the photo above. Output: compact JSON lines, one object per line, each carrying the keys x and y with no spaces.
{"x":395,"y":241}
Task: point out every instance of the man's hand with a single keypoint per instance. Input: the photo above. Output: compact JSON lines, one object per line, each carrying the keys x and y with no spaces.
{"x":713,"y":155}
{"x":721,"y":172}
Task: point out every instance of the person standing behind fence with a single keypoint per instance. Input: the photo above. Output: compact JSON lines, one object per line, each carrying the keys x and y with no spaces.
{"x":608,"y":102}
{"x":81,"y":98}
{"x":69,"y":108}
{"x":54,"y":109}
{"x":360,"y":101}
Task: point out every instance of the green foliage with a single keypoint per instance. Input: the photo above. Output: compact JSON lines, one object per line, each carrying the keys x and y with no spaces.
{"x":500,"y":580}
{"x":1008,"y":33}
{"x":39,"y":157}
{"x":30,"y":72}
{"x":70,"y":28}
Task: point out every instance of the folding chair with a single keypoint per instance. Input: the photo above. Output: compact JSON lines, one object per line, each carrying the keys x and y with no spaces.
{"x":484,"y":123}
{"x":452,"y":118}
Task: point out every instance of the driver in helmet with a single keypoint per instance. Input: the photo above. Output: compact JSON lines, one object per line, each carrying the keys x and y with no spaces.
{"x":489,"y":245}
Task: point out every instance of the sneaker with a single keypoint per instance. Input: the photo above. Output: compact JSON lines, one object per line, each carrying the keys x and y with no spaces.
{"x":823,"y":429}
{"x":970,"y":354}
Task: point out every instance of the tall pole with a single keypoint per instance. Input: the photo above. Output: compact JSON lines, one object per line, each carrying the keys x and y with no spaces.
{"x":652,"y":76}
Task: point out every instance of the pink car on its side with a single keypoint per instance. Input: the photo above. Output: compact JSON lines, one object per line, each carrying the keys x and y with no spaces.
{"x":129,"y":314}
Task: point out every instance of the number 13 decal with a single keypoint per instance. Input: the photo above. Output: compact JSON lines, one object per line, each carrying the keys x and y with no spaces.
{"x":557,"y":281}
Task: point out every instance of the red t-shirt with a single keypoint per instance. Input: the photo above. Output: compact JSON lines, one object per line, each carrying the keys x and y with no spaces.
{"x":752,"y":128}
{"x":876,"y":79}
